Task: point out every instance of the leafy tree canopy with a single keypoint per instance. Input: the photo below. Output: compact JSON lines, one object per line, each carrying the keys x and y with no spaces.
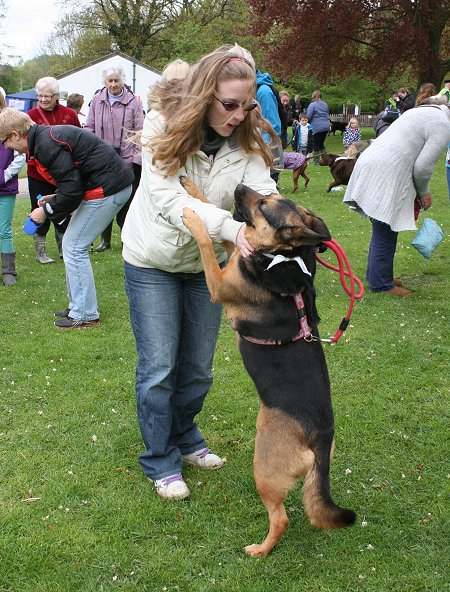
{"x":369,"y":38}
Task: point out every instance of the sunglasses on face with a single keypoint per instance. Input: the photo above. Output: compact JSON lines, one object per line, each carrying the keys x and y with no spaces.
{"x":4,"y":140}
{"x":233,"y":105}
{"x":46,"y":97}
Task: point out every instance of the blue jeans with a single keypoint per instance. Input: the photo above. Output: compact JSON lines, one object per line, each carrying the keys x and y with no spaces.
{"x":7,"y":203}
{"x":380,"y":261}
{"x":448,"y":181}
{"x":87,"y":222}
{"x":176,"y":326}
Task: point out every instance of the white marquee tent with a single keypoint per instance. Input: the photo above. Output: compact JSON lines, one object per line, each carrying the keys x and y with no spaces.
{"x":85,"y":80}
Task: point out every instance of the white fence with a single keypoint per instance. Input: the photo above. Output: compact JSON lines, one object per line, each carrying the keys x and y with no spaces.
{"x":365,"y":119}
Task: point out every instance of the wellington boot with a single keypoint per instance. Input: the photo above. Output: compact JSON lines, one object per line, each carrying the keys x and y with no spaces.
{"x":39,"y":245}
{"x":9,"y":269}
{"x":398,"y":291}
{"x":59,"y":238}
{"x":106,"y":239}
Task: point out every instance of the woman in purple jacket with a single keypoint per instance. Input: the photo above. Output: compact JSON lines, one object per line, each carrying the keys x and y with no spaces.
{"x":10,"y":165}
{"x":116,"y":114}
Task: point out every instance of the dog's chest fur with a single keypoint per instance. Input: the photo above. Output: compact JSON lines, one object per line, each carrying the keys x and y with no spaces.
{"x":270,"y":295}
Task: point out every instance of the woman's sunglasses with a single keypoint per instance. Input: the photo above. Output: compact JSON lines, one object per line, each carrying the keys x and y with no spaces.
{"x":233,"y":105}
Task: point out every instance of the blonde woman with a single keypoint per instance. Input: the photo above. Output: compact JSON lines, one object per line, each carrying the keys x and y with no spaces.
{"x":208,"y":127}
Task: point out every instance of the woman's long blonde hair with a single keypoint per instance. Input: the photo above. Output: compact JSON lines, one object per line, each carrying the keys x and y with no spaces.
{"x":186,"y":103}
{"x":426,"y":91}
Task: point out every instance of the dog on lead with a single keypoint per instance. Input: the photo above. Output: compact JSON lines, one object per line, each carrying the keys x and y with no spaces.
{"x":341,"y":167}
{"x":356,"y":148}
{"x":337,"y":126}
{"x":297,"y":163}
{"x":270,"y":301}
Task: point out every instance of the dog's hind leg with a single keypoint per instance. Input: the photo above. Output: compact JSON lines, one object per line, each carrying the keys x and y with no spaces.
{"x":304,"y":175}
{"x":295,"y":176}
{"x":278,"y":463}
{"x":273,"y":498}
{"x":334,"y":184}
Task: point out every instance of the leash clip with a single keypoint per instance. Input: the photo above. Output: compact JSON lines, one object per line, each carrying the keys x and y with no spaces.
{"x":312,"y":338}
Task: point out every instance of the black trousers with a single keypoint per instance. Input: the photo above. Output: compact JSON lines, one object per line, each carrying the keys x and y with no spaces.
{"x":319,"y":141}
{"x":35,"y":188}
{"x":121,"y":215}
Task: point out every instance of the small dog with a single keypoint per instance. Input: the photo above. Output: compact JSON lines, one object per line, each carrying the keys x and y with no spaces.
{"x":355,"y":148}
{"x":297,"y":162}
{"x":341,"y":167}
{"x":270,"y":301}
{"x":337,"y":126}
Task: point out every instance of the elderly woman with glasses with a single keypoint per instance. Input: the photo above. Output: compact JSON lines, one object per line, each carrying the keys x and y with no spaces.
{"x":48,"y":112}
{"x":116,"y":114}
{"x":206,"y":127}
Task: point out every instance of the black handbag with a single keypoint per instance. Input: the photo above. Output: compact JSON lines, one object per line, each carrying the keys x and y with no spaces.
{"x":390,"y":115}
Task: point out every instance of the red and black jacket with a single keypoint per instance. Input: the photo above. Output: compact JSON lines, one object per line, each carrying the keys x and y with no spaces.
{"x":80,"y":164}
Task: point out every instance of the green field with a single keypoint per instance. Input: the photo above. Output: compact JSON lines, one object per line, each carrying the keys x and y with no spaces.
{"x":76,"y":513}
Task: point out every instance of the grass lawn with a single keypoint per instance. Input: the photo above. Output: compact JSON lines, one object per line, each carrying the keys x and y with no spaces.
{"x":76,"y":513}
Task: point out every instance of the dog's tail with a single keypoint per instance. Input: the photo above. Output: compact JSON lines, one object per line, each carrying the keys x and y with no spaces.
{"x":319,"y":506}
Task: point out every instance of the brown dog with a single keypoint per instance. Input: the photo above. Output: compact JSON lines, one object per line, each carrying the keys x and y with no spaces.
{"x":297,"y":163}
{"x":271,"y":305}
{"x":341,"y":167}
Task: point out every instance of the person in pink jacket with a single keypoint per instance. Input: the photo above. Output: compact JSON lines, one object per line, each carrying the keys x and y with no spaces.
{"x":115,"y":114}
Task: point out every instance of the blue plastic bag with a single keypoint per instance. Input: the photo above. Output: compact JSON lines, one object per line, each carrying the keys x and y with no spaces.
{"x":429,"y":237}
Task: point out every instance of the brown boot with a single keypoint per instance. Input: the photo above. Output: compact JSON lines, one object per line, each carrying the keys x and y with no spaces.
{"x":398,"y":291}
{"x":398,"y":282}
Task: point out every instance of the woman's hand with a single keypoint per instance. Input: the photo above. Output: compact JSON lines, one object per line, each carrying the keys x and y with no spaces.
{"x":44,"y":199}
{"x":242,"y":243}
{"x":38,"y":215}
{"x":425,"y":200}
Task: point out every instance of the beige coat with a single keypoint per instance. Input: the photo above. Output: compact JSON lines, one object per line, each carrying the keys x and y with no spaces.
{"x":154,"y":234}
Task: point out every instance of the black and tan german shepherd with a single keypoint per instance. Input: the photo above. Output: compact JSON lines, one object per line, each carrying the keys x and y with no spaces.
{"x":294,"y":431}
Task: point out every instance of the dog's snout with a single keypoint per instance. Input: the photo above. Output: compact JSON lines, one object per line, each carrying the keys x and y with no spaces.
{"x":321,"y":229}
{"x":240,"y":190}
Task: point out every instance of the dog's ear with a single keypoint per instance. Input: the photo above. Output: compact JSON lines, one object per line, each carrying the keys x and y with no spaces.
{"x":302,"y":235}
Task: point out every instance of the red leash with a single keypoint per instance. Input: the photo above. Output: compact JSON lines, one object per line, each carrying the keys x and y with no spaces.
{"x":345,"y":271}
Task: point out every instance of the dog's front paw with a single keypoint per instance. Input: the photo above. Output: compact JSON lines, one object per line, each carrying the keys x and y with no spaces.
{"x":194,"y":224}
{"x":190,"y":186}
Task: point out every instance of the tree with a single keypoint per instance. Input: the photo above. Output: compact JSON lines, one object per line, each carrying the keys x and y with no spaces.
{"x":367,"y":38}
{"x":153,"y":31}
{"x":203,"y":27}
{"x":79,"y":38}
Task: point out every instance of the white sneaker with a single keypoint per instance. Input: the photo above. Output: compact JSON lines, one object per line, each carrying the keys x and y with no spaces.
{"x":172,"y":487}
{"x":204,"y":459}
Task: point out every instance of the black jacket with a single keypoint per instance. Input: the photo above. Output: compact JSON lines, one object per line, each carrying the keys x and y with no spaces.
{"x":406,"y":103}
{"x":78,"y":161}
